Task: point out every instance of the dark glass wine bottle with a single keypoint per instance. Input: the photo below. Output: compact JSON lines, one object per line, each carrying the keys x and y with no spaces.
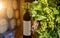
{"x":27,"y":24}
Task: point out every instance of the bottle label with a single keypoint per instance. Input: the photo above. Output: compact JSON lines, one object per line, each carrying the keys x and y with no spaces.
{"x":27,"y":28}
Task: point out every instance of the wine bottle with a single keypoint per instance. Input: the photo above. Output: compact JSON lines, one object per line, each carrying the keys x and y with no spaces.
{"x":27,"y":24}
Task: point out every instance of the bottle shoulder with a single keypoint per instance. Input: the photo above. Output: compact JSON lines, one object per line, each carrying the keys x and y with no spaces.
{"x":27,"y":16}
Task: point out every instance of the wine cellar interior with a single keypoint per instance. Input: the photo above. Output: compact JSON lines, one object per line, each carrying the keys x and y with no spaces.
{"x":11,"y":13}
{"x":44,"y":21}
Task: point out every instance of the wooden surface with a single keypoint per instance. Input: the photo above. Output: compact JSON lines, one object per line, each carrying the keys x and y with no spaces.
{"x":19,"y":30}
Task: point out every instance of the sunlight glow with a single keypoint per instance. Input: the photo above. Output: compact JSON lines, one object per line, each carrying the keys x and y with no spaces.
{"x":1,"y":6}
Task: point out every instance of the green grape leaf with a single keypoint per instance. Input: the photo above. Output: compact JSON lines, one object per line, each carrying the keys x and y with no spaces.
{"x":55,"y":11}
{"x":40,"y":17}
{"x":38,"y":7}
{"x":33,"y":13}
{"x":58,"y":19}
{"x":33,"y":5}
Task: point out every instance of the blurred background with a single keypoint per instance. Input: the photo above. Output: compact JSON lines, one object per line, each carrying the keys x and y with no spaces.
{"x":11,"y":15}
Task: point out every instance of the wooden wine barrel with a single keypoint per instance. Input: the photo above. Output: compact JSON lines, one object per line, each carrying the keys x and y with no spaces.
{"x":17,"y":14}
{"x":3,"y":25}
{"x":10,"y":13}
{"x":13,"y":23}
{"x":14,"y":4}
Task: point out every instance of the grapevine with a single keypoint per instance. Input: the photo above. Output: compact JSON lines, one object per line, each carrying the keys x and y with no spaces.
{"x":47,"y":12}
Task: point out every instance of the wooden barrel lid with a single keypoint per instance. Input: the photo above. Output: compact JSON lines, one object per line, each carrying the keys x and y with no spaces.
{"x":10,"y":13}
{"x":14,"y":4}
{"x":13,"y":23}
{"x":3,"y":25}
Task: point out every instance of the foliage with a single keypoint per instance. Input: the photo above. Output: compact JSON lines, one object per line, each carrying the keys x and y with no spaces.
{"x":47,"y":12}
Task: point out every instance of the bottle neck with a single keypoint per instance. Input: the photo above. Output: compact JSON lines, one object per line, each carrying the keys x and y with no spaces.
{"x":27,"y":10}
{"x":27,"y":5}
